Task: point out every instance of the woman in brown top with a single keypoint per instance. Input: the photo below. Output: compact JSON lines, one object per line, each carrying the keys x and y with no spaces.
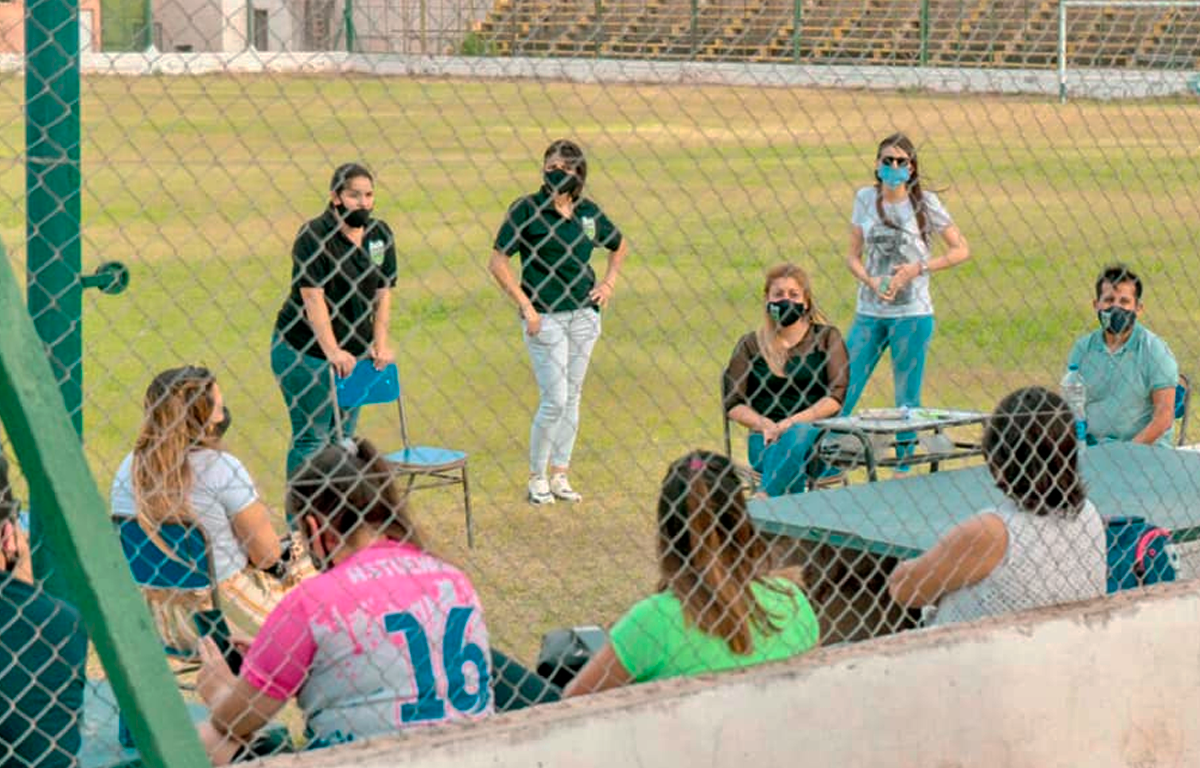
{"x":784,"y":376}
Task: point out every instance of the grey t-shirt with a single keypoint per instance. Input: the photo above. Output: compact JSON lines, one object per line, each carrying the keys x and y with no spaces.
{"x":886,"y":247}
{"x":221,"y":489}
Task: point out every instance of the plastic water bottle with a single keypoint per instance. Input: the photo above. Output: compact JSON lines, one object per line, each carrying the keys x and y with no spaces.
{"x":1074,"y":391}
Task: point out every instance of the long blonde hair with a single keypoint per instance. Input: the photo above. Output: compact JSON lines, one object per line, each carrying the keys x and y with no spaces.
{"x":768,"y":332}
{"x":178,"y":410}
{"x":710,"y":554}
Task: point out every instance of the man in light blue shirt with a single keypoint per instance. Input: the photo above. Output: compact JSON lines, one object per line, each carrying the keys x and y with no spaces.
{"x":1130,"y":372}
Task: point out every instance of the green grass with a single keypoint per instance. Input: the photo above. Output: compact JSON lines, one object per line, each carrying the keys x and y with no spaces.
{"x":199,"y":185}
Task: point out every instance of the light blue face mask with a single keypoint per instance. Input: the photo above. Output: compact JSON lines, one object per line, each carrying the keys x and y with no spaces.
{"x":893,"y":176}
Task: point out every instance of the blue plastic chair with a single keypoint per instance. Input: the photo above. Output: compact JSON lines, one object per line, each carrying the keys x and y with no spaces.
{"x":423,"y":466}
{"x":187,"y":568}
{"x":1183,"y":399}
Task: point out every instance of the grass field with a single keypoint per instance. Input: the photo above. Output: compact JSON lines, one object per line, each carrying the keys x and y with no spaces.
{"x":199,"y":184}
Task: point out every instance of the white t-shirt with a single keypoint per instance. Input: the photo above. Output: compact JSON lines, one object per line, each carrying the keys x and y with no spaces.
{"x":1050,"y":560}
{"x":886,"y":247}
{"x":222,"y":488}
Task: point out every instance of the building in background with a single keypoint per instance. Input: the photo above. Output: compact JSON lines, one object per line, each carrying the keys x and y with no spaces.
{"x":378,"y":26}
{"x":12,"y":26}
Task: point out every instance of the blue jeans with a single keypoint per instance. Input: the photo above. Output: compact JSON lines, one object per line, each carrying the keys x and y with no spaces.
{"x":308,"y":395}
{"x":560,"y":353}
{"x":908,"y":338}
{"x":784,"y":463}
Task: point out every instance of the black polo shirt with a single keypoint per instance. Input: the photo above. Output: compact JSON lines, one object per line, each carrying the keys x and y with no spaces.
{"x":323,"y":257}
{"x":43,"y":659}
{"x":555,"y":273}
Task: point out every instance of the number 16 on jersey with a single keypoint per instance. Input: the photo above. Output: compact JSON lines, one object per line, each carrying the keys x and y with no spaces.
{"x":456,"y":654}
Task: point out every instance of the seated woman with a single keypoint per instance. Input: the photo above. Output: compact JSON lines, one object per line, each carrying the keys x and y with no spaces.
{"x":790,"y":372}
{"x":717,"y":607}
{"x":386,"y":637}
{"x":1043,"y":545}
{"x":179,"y":473}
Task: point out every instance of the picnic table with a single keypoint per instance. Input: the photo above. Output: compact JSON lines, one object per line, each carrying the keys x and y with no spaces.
{"x":862,"y":438}
{"x":849,"y":539}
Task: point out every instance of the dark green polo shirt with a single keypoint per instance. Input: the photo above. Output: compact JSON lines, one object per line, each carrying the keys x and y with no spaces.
{"x":555,"y":273}
{"x":323,"y":257}
{"x":43,"y":659}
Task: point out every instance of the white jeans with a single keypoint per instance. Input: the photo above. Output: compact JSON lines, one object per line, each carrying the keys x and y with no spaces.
{"x":560,"y":353}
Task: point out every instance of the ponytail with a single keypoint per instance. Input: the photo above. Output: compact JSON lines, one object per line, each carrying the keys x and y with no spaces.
{"x":710,"y":554}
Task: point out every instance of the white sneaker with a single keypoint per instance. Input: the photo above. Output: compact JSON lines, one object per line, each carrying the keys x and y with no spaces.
{"x":539,"y":491}
{"x":561,"y":488}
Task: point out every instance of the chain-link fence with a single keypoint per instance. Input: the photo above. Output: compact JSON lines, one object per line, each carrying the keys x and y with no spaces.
{"x":636,"y":322}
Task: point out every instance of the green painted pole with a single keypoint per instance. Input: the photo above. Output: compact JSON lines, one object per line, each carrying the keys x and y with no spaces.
{"x":348,"y":22}
{"x":599,"y":27}
{"x":924,"y":55}
{"x":797,"y":24}
{"x":52,"y":200}
{"x":148,"y":13}
{"x":249,"y":24}
{"x":75,"y":520}
{"x":695,"y":34}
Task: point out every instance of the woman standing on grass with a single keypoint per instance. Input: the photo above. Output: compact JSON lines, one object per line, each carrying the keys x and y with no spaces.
{"x":891,"y":234}
{"x":343,"y":272}
{"x":789,"y":373}
{"x":555,"y":231}
{"x":717,"y":607}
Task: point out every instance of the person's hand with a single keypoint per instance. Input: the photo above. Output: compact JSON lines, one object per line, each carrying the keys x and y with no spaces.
{"x":14,"y":548}
{"x":902,"y":275}
{"x":533,"y":321}
{"x":601,"y":294}
{"x":876,"y":286}
{"x":771,"y":432}
{"x":215,"y":677}
{"x":382,"y":355}
{"x":342,"y":362}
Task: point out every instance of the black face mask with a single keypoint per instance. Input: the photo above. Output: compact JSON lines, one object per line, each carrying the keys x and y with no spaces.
{"x":1116,"y":319}
{"x":355,"y":219}
{"x":786,"y":312}
{"x":221,"y":427}
{"x":559,"y":182}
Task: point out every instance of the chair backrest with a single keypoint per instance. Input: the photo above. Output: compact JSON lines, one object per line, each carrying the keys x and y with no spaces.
{"x":1183,"y":400}
{"x":190,"y":567}
{"x":367,"y":386}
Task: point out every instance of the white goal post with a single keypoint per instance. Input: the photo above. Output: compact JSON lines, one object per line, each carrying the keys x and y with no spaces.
{"x":1063,"y":5}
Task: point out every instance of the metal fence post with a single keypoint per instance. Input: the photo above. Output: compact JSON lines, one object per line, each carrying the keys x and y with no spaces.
{"x":924,"y":55}
{"x":599,"y":27}
{"x":348,"y":22}
{"x":695,"y":32}
{"x":148,"y":17}
{"x":1062,"y":51}
{"x":797,"y":23}
{"x":52,"y":198}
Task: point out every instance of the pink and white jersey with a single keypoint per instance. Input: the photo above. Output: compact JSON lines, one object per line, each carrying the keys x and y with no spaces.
{"x":389,"y":638}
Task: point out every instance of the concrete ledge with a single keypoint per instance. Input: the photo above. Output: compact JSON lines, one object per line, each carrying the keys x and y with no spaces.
{"x":1113,"y":682}
{"x":1090,"y":83}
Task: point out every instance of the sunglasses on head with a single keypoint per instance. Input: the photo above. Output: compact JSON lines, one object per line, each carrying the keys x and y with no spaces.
{"x":898,"y":162}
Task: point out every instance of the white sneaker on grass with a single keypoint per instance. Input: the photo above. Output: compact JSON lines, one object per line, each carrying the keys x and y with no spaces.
{"x":539,"y":491}
{"x":561,"y":488}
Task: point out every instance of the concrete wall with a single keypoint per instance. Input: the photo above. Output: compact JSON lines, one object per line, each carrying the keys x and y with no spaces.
{"x":1113,"y":683}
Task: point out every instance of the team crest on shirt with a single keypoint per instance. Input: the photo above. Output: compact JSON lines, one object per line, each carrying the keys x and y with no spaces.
{"x":376,"y":249}
{"x":589,"y":226}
